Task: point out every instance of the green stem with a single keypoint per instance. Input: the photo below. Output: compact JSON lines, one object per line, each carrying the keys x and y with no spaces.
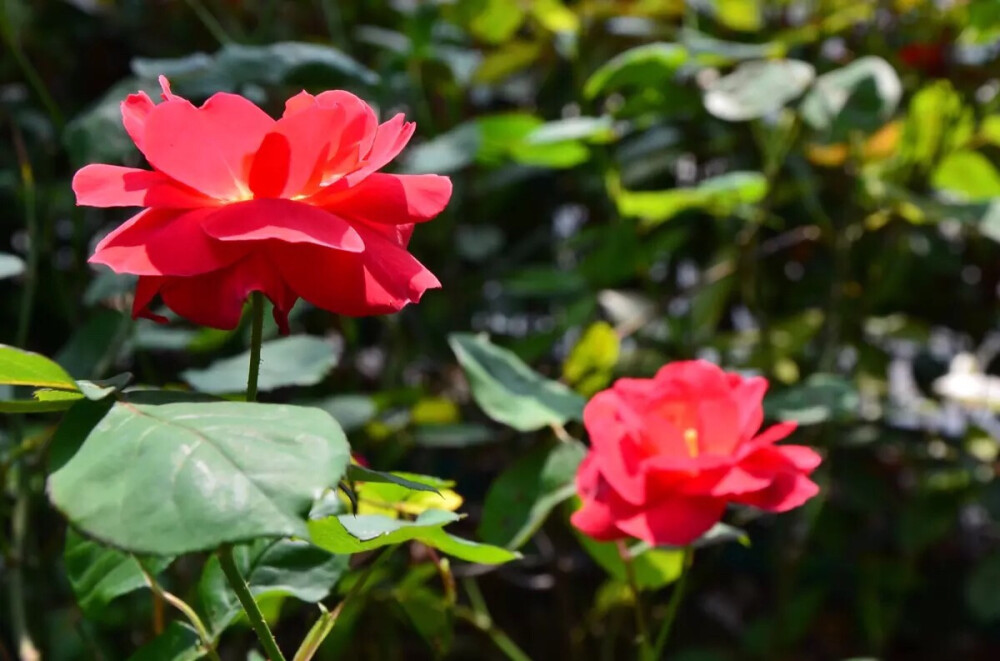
{"x":26,"y":650}
{"x":645,"y":652}
{"x":242,"y":590}
{"x":256,"y":338}
{"x":183,"y":607}
{"x":675,"y":603}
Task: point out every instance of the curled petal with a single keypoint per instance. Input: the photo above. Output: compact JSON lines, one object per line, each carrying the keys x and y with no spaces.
{"x":135,"y":110}
{"x":595,"y":518}
{"x":621,"y":459}
{"x":101,"y":185}
{"x":390,"y":139}
{"x":294,"y":154}
{"x":284,"y":221}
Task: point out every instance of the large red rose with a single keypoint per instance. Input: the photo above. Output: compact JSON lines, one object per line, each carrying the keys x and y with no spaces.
{"x":669,"y":453}
{"x":238,"y":202}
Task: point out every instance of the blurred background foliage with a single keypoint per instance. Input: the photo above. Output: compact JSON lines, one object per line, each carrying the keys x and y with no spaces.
{"x":807,"y":189}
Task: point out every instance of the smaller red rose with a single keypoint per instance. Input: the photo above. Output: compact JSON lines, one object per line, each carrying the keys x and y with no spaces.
{"x":669,"y":453}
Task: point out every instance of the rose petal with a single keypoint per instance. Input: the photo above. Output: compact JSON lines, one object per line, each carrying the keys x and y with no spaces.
{"x":216,"y":299}
{"x":165,"y":242}
{"x":284,"y":221}
{"x":390,"y":139}
{"x":207,"y":148}
{"x":382,"y":279}
{"x":675,"y":521}
{"x":621,"y":459}
{"x":787,"y":491}
{"x":102,"y":185}
{"x":393,"y":199}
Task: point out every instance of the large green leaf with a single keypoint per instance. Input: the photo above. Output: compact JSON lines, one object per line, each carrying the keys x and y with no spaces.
{"x":860,"y":96}
{"x":756,"y":89}
{"x":299,"y":360}
{"x":270,"y":567}
{"x":99,"y":574}
{"x":642,"y":65}
{"x":177,"y":478}
{"x":508,"y":390}
{"x":348,"y":533}
{"x":521,"y":498}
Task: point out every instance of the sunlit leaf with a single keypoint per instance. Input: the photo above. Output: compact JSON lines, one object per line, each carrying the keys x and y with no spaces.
{"x":758,"y":88}
{"x":858,"y":97}
{"x":348,"y":533}
{"x":26,"y":368}
{"x":177,"y":478}
{"x":967,"y":176}
{"x":589,"y":365}
{"x":717,"y":195}
{"x":508,"y":390}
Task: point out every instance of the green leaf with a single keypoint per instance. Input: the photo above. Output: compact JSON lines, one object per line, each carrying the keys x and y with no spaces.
{"x":99,"y":574}
{"x":642,"y":65}
{"x":967,"y":176}
{"x":178,"y":642}
{"x":348,"y":533}
{"x":820,"y":398}
{"x":508,"y":390}
{"x":25,"y":368}
{"x":554,"y":15}
{"x":858,"y":97}
{"x":592,"y":129}
{"x":588,"y":367}
{"x":521,"y":498}
{"x":742,"y":15}
{"x":459,"y":435}
{"x":498,"y":20}
{"x":654,"y":568}
{"x":507,"y":60}
{"x":178,"y":478}
{"x":299,"y":360}
{"x":720,"y":196}
{"x":757,"y":89}
{"x":362,"y":474}
{"x":10,"y":265}
{"x":711,"y":52}
{"x":236,"y":65}
{"x":938,"y":121}
{"x":271,"y":567}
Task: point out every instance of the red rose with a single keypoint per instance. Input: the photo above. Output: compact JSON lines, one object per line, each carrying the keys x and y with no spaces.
{"x":238,"y":202}
{"x":668,"y":453}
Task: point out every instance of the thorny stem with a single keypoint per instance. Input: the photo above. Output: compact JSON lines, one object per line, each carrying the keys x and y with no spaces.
{"x":242,"y":590}
{"x":675,"y":603}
